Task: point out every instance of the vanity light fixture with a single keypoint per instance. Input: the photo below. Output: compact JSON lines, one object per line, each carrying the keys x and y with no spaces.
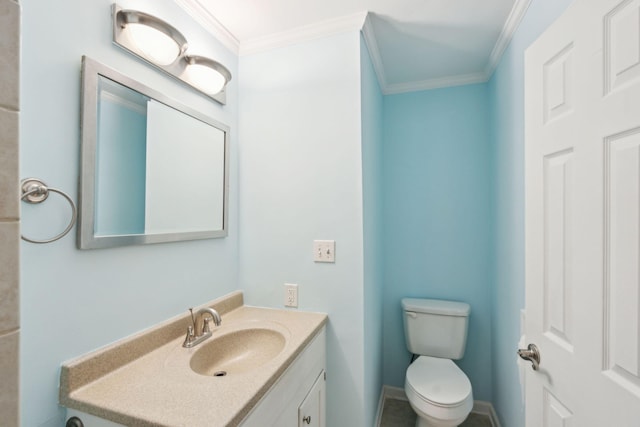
{"x":206,"y":74}
{"x":149,"y":37}
{"x":164,"y":47}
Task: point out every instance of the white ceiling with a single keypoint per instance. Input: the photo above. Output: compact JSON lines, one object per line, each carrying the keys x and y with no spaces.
{"x":414,"y":44}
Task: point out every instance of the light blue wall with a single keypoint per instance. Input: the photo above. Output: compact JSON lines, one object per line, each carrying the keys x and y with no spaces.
{"x":372,"y":102}
{"x":122,"y":168}
{"x":438,"y":218}
{"x":506,"y":91}
{"x":75,"y":301}
{"x":300,"y":180}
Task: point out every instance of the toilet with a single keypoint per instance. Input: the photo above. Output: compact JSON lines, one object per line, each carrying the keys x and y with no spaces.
{"x":436,"y":331}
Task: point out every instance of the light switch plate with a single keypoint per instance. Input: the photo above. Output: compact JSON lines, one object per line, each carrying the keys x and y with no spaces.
{"x":324,"y":250}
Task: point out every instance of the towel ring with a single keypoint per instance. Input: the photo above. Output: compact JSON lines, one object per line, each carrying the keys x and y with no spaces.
{"x":35,"y":191}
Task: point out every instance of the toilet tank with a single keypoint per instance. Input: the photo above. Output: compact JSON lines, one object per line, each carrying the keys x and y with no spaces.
{"x":435,"y":328}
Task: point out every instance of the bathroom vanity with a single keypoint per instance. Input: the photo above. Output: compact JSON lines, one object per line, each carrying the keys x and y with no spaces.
{"x":260,"y":367}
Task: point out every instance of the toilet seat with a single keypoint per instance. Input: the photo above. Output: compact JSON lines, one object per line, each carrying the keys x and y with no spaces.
{"x":438,"y":388}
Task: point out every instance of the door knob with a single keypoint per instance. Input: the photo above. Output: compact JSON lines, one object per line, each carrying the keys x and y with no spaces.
{"x":532,"y":354}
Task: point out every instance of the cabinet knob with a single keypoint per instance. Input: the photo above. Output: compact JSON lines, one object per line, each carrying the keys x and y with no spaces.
{"x":307,"y":419}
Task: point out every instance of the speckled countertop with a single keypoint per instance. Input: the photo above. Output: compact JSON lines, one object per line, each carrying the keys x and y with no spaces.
{"x":146,"y":379}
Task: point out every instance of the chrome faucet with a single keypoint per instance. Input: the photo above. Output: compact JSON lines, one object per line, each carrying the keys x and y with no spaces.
{"x":200,"y":331}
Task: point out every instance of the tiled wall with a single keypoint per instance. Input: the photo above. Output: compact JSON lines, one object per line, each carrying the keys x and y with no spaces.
{"x":9,"y":211}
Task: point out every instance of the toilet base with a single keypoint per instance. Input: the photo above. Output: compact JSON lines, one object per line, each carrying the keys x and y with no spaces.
{"x":438,"y":417}
{"x":426,"y":421}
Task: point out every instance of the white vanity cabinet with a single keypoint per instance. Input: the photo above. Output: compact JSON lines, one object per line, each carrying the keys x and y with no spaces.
{"x":311,"y":412}
{"x":298,"y":393}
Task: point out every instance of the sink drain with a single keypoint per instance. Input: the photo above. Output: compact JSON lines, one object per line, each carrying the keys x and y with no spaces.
{"x":220,"y":373}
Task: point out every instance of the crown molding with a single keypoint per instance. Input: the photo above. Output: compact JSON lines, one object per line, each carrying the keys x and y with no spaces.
{"x":327,"y":28}
{"x":198,"y":12}
{"x":510,"y":26}
{"x":355,"y":22}
{"x":449,"y":81}
{"x":518,"y":11}
{"x":374,"y":51}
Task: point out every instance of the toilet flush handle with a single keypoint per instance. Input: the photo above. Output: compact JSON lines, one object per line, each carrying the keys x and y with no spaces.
{"x":411,"y":314}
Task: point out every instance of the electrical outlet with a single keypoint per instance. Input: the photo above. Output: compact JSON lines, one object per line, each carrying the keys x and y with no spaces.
{"x":324,"y":250}
{"x":290,"y":295}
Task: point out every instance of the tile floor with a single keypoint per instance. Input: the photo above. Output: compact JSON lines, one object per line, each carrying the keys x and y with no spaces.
{"x":398,"y":413}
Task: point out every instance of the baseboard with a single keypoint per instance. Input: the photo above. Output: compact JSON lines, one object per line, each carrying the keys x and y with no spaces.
{"x":479,"y":406}
{"x":393,"y":392}
{"x":380,"y":406}
{"x":486,"y":408}
{"x":388,"y":392}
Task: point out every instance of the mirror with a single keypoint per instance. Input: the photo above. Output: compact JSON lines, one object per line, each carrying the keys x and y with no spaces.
{"x":152,"y":170}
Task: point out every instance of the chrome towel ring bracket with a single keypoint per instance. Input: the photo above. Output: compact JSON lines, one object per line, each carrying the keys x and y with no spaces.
{"x":35,"y":191}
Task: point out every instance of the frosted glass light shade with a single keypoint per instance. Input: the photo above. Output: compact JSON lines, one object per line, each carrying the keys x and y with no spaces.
{"x":206,"y":74}
{"x":148,"y":36}
{"x":153,"y":44}
{"x":205,"y":78}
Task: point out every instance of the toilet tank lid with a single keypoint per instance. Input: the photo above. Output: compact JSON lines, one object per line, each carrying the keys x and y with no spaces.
{"x":435,"y":306}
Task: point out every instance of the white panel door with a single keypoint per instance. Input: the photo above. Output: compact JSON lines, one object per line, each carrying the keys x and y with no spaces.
{"x":582,"y":94}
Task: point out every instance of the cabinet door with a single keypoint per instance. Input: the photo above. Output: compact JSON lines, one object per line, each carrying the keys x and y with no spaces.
{"x":311,"y":410}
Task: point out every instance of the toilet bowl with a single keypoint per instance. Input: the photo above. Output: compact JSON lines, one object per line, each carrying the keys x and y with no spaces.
{"x":438,"y":391}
